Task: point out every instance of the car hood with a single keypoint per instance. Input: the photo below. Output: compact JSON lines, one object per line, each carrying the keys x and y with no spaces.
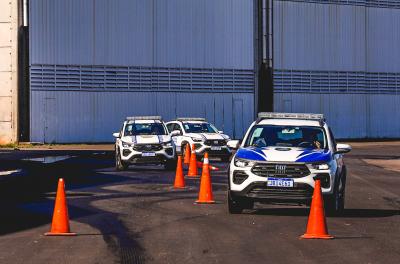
{"x":146,"y":139}
{"x":208,"y":136}
{"x":287,"y":154}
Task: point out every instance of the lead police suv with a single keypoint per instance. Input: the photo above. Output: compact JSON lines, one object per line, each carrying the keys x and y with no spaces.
{"x":144,"y":140}
{"x":279,"y":159}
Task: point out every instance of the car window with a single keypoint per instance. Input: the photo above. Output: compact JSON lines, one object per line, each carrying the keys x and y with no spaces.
{"x":199,"y":128}
{"x":287,"y":136}
{"x":170,"y":127}
{"x":177,"y":127}
{"x":145,"y":129}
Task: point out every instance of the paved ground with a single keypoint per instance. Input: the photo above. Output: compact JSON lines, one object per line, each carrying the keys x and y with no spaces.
{"x":135,"y":216}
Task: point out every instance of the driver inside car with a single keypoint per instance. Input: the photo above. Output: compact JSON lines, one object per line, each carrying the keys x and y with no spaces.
{"x":312,"y":138}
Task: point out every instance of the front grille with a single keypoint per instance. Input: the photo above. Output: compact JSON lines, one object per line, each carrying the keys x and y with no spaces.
{"x":147,"y":147}
{"x":299,"y":191}
{"x":138,"y":159}
{"x":239,"y":177}
{"x":292,"y":170}
{"x":216,"y":142}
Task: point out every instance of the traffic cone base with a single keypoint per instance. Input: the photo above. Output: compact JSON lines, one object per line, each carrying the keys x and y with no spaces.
{"x":59,"y":234}
{"x":204,"y":202}
{"x":308,"y":236}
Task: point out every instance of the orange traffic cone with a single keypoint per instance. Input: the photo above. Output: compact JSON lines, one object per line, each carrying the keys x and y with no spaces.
{"x":179,"y":179}
{"x":205,"y":193}
{"x":212,"y":168}
{"x":60,"y":223}
{"x":193,"y":164}
{"x":186,"y":159}
{"x":316,"y":226}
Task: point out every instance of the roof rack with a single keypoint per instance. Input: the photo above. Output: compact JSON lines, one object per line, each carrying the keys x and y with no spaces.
{"x":133,"y":118}
{"x":302,"y":116}
{"x":191,"y":119}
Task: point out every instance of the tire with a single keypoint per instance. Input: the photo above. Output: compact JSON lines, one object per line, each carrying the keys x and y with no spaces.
{"x":237,"y":205}
{"x":334,"y":203}
{"x":225,"y":158}
{"x":170,"y":165}
{"x":119,"y":164}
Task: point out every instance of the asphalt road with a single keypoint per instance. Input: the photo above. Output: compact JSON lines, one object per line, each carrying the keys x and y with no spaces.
{"x":137,"y":217}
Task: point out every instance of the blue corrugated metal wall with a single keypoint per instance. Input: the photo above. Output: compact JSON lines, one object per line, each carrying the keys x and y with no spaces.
{"x":94,"y":62}
{"x":340,"y":58}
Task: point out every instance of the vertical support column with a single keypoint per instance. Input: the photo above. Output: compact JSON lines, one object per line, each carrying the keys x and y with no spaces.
{"x":8,"y":71}
{"x":265,"y":75}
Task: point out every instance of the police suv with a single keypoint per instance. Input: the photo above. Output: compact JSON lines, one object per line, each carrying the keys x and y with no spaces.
{"x":144,"y":140}
{"x":202,"y":134}
{"x":279,"y":159}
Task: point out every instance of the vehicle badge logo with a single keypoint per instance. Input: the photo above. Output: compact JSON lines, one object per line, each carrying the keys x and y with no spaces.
{"x":216,"y":142}
{"x":280,"y":169}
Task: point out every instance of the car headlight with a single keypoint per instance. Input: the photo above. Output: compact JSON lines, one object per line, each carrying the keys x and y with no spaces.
{"x":320,"y":166}
{"x":197,"y":139}
{"x":167,"y":144}
{"x":243,"y":163}
{"x":126,"y":144}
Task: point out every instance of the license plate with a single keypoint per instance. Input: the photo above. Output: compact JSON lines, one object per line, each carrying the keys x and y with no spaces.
{"x":148,"y":154}
{"x":216,"y":148}
{"x":280,"y":182}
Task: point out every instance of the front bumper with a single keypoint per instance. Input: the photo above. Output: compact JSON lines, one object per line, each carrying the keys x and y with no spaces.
{"x":131,"y":156}
{"x":212,"y":151}
{"x":244,"y":183}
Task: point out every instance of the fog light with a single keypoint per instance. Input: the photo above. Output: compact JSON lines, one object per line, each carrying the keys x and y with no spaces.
{"x":239,"y":177}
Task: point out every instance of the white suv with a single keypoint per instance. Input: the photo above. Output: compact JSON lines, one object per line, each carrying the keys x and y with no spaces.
{"x":202,"y":134}
{"x":279,"y":159}
{"x":144,"y":140}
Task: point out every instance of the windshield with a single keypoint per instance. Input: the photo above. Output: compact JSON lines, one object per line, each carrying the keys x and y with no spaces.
{"x":199,"y":128}
{"x":145,"y":129}
{"x":287,"y":136}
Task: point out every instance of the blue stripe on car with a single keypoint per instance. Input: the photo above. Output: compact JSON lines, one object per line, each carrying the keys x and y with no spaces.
{"x":315,"y":157}
{"x":251,"y":154}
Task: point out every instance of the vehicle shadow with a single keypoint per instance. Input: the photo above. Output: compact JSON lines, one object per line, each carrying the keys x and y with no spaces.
{"x":348,"y":213}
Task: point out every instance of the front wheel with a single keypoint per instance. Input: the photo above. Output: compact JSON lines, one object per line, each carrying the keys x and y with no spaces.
{"x":237,"y":205}
{"x":119,"y":164}
{"x":335,"y":202}
{"x":170,"y":164}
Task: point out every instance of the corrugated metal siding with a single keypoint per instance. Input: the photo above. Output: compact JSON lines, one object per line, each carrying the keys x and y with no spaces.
{"x":340,"y":60}
{"x":75,"y":116}
{"x":173,"y":33}
{"x":95,"y":62}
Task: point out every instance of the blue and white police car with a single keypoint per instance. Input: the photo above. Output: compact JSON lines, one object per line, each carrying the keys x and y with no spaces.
{"x":279,"y":159}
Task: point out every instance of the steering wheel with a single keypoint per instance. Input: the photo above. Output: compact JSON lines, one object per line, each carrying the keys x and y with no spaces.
{"x":305,"y":144}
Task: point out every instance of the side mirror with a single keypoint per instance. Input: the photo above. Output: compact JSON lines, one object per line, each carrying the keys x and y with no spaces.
{"x":220,"y":131}
{"x":233,"y":144}
{"x":342,"y":148}
{"x":116,"y":135}
{"x":175,"y":133}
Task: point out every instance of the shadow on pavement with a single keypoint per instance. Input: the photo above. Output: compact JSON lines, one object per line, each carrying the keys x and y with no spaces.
{"x":353,"y":213}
